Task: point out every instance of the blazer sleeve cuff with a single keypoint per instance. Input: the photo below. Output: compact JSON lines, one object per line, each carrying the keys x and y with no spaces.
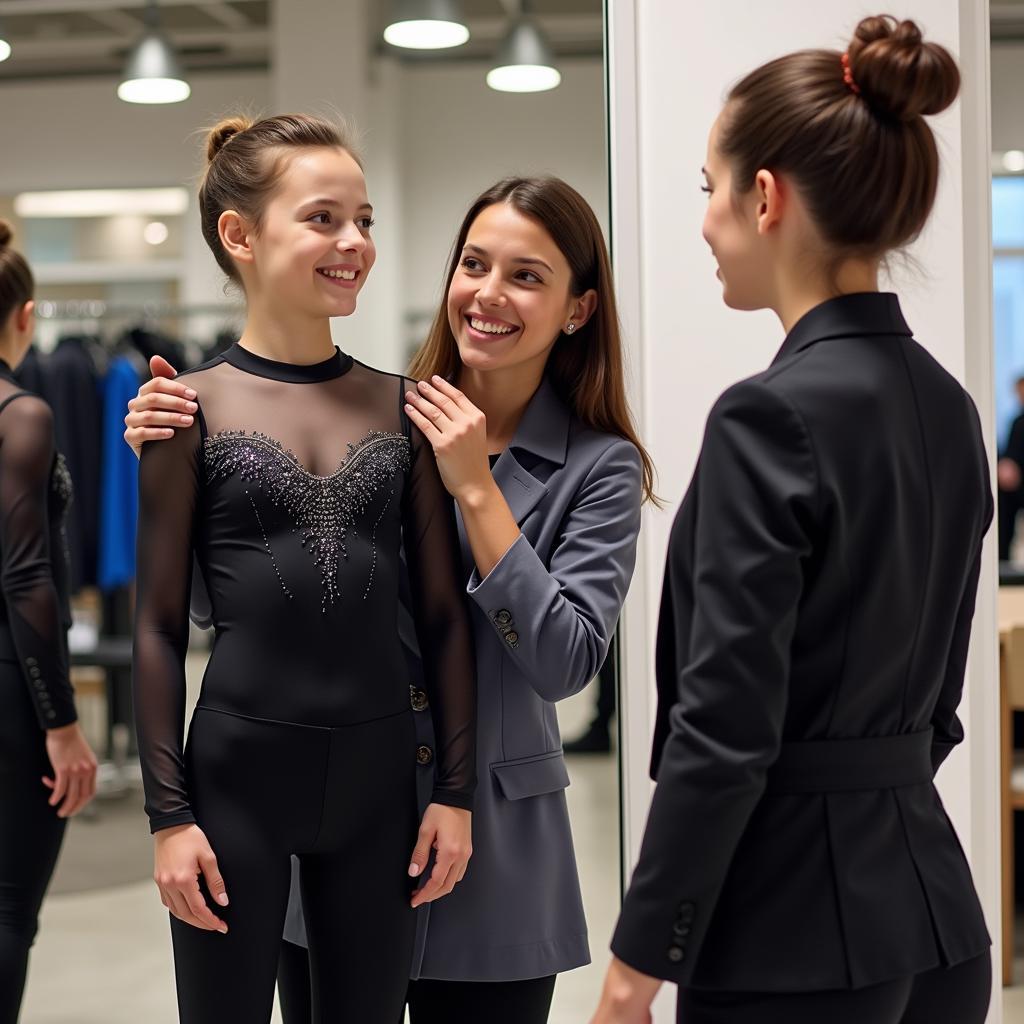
{"x":500,"y":596}
{"x":659,"y":941}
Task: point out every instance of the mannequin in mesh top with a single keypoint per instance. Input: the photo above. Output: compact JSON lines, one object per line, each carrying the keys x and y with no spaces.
{"x":294,"y":489}
{"x":47,"y":771}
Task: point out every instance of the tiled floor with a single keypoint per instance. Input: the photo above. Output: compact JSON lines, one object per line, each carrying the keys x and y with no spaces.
{"x":103,"y":956}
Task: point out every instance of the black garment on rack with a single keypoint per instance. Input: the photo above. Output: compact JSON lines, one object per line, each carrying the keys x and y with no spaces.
{"x":71,"y":385}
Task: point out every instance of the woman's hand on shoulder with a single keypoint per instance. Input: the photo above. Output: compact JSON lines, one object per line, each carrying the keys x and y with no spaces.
{"x":457,"y":431}
{"x":448,"y":831}
{"x":161,"y":406}
{"x":183,"y":853}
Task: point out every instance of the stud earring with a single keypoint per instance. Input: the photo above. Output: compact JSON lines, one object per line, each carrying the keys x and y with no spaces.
{"x":570,"y":328}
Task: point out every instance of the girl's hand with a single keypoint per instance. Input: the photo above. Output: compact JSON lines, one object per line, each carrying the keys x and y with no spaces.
{"x":161,"y":406}
{"x":182,"y":855}
{"x":457,"y":431}
{"x":74,"y":769}
{"x":626,"y":997}
{"x":447,"y":830}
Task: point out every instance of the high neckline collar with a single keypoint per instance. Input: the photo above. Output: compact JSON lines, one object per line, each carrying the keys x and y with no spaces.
{"x":336,"y":365}
{"x":860,"y":314}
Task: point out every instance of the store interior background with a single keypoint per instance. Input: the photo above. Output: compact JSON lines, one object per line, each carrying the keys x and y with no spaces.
{"x":434,"y":135}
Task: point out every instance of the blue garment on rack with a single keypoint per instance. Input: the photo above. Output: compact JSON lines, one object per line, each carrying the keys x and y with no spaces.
{"x":119,"y":497}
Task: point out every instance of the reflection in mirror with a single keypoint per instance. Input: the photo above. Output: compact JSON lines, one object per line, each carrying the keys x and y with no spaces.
{"x":111,"y":225}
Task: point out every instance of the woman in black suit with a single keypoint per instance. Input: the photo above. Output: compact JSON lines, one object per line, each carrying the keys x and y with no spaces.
{"x":798,"y":864}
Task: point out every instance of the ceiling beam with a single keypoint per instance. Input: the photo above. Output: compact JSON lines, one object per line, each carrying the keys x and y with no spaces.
{"x":117,"y":21}
{"x":71,"y":47}
{"x":36,"y":7}
{"x":229,"y":17}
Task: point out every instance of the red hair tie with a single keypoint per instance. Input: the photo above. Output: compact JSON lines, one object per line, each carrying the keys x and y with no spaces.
{"x":848,"y":74}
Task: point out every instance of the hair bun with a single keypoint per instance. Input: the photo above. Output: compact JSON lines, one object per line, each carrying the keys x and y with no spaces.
{"x":6,"y":234}
{"x":222,"y":131}
{"x":898,"y":73}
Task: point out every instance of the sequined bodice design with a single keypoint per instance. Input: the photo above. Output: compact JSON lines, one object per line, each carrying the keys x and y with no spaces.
{"x":323,"y":508}
{"x":295,"y":491}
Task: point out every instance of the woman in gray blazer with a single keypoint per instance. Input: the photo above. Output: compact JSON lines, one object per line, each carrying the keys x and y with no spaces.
{"x":522,"y":396}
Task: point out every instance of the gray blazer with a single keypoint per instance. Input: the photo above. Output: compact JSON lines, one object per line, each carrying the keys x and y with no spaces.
{"x":543,"y":619}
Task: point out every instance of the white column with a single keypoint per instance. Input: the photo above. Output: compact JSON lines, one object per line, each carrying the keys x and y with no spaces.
{"x":668,"y":77}
{"x":322,"y":64}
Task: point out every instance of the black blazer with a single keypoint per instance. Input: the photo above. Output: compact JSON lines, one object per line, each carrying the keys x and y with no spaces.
{"x":817,"y":607}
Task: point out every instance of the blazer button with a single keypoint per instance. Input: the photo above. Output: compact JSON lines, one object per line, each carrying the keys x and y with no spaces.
{"x":34,"y":672}
{"x":418,"y":699}
{"x":503,"y":618}
{"x":681,"y":928}
{"x":424,"y":755}
{"x":676,"y":955}
{"x":511,"y":638}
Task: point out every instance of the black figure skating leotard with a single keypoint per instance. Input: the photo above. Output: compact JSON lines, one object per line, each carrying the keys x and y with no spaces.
{"x":295,"y":489}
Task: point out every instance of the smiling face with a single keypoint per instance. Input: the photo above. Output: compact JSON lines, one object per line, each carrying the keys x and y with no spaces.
{"x":511,"y":295}
{"x":731,"y":229}
{"x":313,"y":249}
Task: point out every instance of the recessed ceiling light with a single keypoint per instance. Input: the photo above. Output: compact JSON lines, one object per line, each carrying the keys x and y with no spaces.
{"x":1013,"y":160}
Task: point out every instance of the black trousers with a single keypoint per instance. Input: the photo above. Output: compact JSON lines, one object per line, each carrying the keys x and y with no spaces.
{"x":344,"y":801}
{"x":30,"y":835}
{"x":954,"y":995}
{"x":430,"y":1002}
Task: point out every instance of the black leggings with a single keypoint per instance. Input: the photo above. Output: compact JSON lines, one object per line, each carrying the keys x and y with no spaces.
{"x":344,"y":801}
{"x":430,"y":1002}
{"x":30,"y":835}
{"x":954,"y":995}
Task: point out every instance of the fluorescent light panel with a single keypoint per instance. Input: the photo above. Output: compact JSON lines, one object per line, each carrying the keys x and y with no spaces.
{"x":150,"y":202}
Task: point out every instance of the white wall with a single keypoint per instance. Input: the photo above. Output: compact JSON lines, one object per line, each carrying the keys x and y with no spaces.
{"x":76,"y":133}
{"x":460,"y":137}
{"x":686,"y":346}
{"x":1007,"y":93}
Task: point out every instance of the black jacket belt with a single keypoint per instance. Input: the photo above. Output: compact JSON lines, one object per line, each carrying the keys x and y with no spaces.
{"x":832,"y":766}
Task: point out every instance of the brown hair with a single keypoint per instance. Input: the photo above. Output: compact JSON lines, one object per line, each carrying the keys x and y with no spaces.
{"x":860,"y":152}
{"x":244,"y":164}
{"x":586,"y":368}
{"x":17,"y":286}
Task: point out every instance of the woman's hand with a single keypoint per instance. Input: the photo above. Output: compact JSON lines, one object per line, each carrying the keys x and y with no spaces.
{"x":182,"y":855}
{"x":627,"y":996}
{"x":448,"y":830}
{"x":457,"y":431}
{"x":161,"y":406}
{"x":74,"y":769}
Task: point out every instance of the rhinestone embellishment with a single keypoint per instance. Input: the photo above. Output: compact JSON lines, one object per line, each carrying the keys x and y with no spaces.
{"x":323,"y":508}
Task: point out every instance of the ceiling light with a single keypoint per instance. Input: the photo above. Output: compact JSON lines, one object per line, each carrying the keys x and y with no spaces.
{"x":525,"y":62}
{"x":1013,"y":160}
{"x":5,"y":47}
{"x":153,"y":74}
{"x":105,"y":202}
{"x":426,"y":25}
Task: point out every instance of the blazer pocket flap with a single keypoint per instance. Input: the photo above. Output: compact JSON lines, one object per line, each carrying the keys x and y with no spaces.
{"x":531,"y":776}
